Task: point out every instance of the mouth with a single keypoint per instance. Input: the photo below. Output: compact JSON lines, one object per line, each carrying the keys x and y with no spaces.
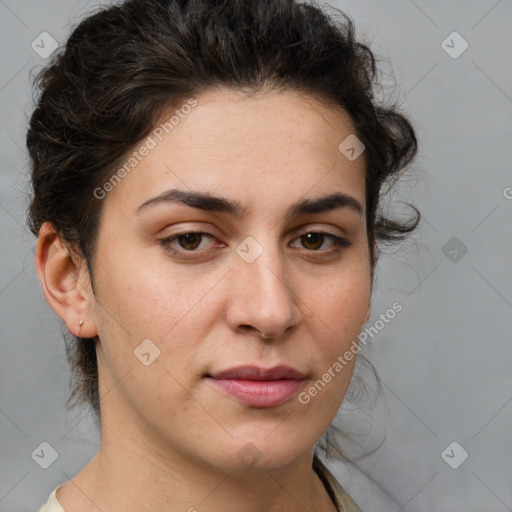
{"x":259,"y":387}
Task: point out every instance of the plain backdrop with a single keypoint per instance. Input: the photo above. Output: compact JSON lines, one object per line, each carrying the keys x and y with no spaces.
{"x":444,"y":360}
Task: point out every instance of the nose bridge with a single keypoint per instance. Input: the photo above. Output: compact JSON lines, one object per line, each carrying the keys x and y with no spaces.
{"x":263,"y":268}
{"x":266,"y":300}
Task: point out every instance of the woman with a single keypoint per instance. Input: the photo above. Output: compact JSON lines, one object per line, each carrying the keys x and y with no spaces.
{"x":206,"y":182}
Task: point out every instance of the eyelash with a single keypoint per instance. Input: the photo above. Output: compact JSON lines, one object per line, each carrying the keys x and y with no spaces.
{"x":339,"y":242}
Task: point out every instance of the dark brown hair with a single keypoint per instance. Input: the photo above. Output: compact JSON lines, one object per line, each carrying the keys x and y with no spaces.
{"x":124,"y":66}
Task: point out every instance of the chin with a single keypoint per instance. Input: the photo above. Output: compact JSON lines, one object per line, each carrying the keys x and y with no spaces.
{"x":262,"y":452}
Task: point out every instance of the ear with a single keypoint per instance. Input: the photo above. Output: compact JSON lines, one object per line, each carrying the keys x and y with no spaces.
{"x":66,"y":286}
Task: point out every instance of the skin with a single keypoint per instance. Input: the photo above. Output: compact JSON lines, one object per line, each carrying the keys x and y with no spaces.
{"x":169,"y":439}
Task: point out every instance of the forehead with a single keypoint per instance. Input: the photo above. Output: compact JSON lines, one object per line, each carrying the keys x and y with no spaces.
{"x":275,"y":146}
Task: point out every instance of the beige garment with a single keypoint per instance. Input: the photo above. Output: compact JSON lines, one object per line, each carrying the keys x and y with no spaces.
{"x":52,"y":505}
{"x":343,"y":502}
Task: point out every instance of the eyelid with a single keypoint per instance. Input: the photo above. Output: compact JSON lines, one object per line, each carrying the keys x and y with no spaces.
{"x":296,"y":232}
{"x":320,"y":228}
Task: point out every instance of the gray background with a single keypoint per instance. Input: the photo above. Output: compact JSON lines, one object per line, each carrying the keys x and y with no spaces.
{"x":444,"y":360}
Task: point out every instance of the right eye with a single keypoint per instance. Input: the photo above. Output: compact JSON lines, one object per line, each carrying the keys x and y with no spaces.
{"x":188,"y":241}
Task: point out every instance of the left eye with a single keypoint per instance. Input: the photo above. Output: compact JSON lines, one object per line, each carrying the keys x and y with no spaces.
{"x":316,"y":239}
{"x":312,"y":240}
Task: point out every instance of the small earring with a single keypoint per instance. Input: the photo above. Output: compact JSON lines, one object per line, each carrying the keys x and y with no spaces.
{"x":81,"y":323}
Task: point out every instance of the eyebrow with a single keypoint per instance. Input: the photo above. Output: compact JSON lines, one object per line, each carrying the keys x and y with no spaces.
{"x":209,"y":202}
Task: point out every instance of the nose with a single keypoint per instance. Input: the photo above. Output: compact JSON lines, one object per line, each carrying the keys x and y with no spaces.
{"x":262,"y":298}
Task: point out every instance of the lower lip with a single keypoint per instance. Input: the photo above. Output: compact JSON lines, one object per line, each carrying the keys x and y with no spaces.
{"x":259,"y":393}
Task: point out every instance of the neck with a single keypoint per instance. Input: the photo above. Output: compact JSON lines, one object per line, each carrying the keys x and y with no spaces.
{"x":135,"y":471}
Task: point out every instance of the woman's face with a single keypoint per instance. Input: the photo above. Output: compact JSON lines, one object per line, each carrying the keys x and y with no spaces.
{"x":172,"y":310}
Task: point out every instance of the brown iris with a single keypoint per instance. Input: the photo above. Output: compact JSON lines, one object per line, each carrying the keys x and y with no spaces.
{"x":312,"y":238}
{"x":192,"y":240}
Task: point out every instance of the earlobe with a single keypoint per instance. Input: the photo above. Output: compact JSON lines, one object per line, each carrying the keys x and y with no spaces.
{"x":60,"y":280}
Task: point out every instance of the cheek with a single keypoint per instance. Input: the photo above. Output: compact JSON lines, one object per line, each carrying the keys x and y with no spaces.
{"x":338,"y":311}
{"x":342,"y":301}
{"x":146,"y":299}
{"x":173,"y":310}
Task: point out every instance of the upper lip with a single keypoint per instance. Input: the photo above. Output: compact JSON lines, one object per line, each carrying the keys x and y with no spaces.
{"x":257,"y":373}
